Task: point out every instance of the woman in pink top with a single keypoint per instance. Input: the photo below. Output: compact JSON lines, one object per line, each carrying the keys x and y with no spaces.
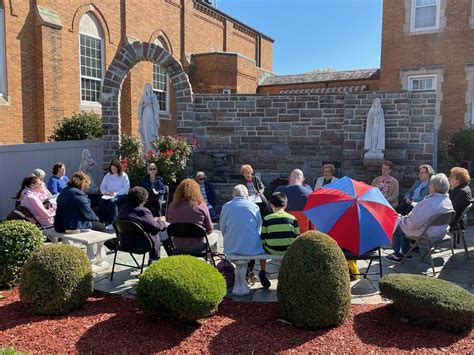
{"x":44,"y":194}
{"x":29,"y":196}
{"x":189,"y":206}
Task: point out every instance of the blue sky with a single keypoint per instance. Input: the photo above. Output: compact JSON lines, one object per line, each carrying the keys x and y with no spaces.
{"x":309,"y":34}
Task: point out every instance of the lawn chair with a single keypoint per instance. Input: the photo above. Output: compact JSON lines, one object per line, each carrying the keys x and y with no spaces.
{"x":132,"y":239}
{"x":22,"y":213}
{"x":458,"y":233}
{"x":432,"y":243}
{"x":193,"y":241}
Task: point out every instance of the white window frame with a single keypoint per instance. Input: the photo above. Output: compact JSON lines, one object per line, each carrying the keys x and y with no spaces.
{"x":418,"y":77}
{"x":412,"y":17}
{"x":472,"y":108}
{"x":3,"y":53}
{"x":89,"y":103}
{"x":167,"y":111}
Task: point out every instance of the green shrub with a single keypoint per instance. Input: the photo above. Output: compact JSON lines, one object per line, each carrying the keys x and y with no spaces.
{"x":10,"y":351}
{"x":18,"y":240}
{"x":181,"y":287}
{"x":461,"y":145}
{"x":56,"y":280}
{"x":313,"y":285}
{"x":430,"y":302}
{"x":84,"y":125}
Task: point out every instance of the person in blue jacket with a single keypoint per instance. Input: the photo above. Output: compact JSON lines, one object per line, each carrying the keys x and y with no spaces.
{"x":208,"y":194}
{"x":155,"y":186}
{"x":58,"y":180}
{"x":418,"y":191}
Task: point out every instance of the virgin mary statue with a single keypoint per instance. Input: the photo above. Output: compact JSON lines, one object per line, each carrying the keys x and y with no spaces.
{"x":375,"y":131}
{"x":148,"y":118}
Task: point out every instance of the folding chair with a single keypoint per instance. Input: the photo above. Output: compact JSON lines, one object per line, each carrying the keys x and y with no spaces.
{"x":23,"y":213}
{"x":132,"y":239}
{"x":432,"y":243}
{"x":458,"y":233}
{"x":193,"y":241}
{"x":371,"y":255}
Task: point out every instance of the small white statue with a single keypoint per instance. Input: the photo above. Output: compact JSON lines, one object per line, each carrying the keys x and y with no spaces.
{"x":87,"y":166}
{"x":375,"y":131}
{"x":148,"y":117}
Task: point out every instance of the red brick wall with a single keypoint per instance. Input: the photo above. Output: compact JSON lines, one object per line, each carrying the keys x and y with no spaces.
{"x":43,"y":63}
{"x":453,"y":47}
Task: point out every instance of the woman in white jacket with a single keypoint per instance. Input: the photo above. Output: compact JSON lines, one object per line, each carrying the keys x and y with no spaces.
{"x":114,"y":189}
{"x":327,"y":178}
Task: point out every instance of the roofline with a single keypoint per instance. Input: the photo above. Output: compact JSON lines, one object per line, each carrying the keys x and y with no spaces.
{"x":234,"y":20}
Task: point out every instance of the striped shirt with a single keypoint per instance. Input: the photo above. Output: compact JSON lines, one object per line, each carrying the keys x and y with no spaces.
{"x":278,"y":231}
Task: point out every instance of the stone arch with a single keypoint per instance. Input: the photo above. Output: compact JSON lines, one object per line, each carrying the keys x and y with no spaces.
{"x":124,"y":60}
{"x":90,"y":7}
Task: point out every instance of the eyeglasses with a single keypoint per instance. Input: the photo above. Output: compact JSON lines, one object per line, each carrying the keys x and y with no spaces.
{"x":152,"y":169}
{"x":202,"y":179}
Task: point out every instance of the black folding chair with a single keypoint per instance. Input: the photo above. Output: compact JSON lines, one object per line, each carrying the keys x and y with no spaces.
{"x":371,"y":255}
{"x":432,"y":243}
{"x":193,"y":241}
{"x":458,"y":233}
{"x":24,"y":214}
{"x":132,"y":239}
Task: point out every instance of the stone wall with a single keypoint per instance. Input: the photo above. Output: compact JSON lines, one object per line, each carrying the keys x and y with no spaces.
{"x":276,"y":133}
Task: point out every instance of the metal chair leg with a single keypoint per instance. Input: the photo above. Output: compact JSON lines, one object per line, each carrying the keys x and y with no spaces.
{"x":113,"y":266}
{"x":143,"y":263}
{"x":463,"y":240}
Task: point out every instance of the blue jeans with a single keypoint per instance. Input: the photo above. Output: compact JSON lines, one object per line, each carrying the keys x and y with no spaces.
{"x":400,"y":244}
{"x":108,"y":209}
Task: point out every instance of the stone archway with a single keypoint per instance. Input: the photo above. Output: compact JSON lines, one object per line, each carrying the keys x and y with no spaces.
{"x":124,"y":60}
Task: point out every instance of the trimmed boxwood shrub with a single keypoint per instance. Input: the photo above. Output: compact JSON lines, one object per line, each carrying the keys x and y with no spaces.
{"x":181,"y":287}
{"x":83,"y":125}
{"x":56,"y":280}
{"x":18,"y":240}
{"x":429,"y":302}
{"x":313,"y":285}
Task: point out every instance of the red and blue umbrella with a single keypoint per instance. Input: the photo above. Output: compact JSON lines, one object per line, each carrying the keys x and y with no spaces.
{"x":356,"y":215}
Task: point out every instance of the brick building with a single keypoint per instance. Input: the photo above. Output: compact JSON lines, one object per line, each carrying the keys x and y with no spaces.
{"x":54,"y":55}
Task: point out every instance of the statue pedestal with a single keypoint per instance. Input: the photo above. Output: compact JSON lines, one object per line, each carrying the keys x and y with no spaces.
{"x":374,"y":155}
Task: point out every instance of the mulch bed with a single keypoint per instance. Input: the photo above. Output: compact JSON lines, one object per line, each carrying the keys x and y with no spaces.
{"x":111,"y":324}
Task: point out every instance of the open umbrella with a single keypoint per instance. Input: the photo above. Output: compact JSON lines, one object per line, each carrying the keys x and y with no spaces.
{"x":356,"y":215}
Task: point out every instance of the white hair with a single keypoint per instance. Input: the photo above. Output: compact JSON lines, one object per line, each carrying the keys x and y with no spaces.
{"x":200,"y":173}
{"x":296,"y":177}
{"x":39,"y":173}
{"x":440,"y":183}
{"x":240,"y":191}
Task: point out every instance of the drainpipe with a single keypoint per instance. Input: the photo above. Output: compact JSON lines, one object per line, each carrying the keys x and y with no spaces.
{"x":435,"y":147}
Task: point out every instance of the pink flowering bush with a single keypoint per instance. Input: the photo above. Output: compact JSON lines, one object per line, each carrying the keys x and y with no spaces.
{"x":170,"y":154}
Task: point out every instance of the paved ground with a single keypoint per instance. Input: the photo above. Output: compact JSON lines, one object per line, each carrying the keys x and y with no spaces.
{"x":448,"y":267}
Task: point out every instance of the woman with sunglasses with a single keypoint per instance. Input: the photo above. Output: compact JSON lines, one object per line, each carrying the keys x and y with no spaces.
{"x":155,"y":186}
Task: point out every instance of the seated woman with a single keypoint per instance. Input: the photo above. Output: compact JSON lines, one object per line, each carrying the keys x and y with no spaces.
{"x":418,"y":191}
{"x":435,"y":203}
{"x":387,"y":184}
{"x":327,"y":178}
{"x":114,"y":189}
{"x":460,"y":195}
{"x":134,"y":211}
{"x":255,"y":188}
{"x":189,"y":206}
{"x":44,"y":194}
{"x":74,"y":208}
{"x":155,"y":186}
{"x":29,"y":197}
{"x":58,"y":180}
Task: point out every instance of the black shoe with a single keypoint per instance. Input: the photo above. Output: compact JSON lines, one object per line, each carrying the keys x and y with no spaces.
{"x":262,"y":275}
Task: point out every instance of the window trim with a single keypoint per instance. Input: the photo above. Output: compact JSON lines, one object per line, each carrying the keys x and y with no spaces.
{"x":410,"y":82}
{"x":3,"y":56}
{"x":412,"y":17}
{"x":163,"y":44}
{"x":84,"y":102}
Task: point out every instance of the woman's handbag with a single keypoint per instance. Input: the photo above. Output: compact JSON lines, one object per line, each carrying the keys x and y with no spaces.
{"x":226,"y":268}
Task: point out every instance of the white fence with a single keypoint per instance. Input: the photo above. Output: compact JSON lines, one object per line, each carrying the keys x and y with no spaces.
{"x":18,"y":160}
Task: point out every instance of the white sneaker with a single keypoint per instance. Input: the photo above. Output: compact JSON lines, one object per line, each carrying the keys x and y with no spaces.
{"x":109,"y":228}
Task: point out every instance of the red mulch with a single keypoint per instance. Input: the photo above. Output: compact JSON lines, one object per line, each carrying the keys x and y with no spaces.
{"x":111,"y":324}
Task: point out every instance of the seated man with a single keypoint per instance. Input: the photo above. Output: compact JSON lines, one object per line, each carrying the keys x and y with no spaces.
{"x":134,"y":211}
{"x":278,"y":231}
{"x":435,"y":203}
{"x":240,"y":224}
{"x":208,"y":194}
{"x":297,"y":195}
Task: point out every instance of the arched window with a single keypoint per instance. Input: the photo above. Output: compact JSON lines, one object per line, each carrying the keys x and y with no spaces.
{"x":160,"y":80}
{"x":3,"y":65}
{"x":91,"y":52}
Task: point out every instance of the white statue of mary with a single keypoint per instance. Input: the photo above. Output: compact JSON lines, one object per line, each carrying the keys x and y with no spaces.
{"x":148,"y":117}
{"x":375,"y":131}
